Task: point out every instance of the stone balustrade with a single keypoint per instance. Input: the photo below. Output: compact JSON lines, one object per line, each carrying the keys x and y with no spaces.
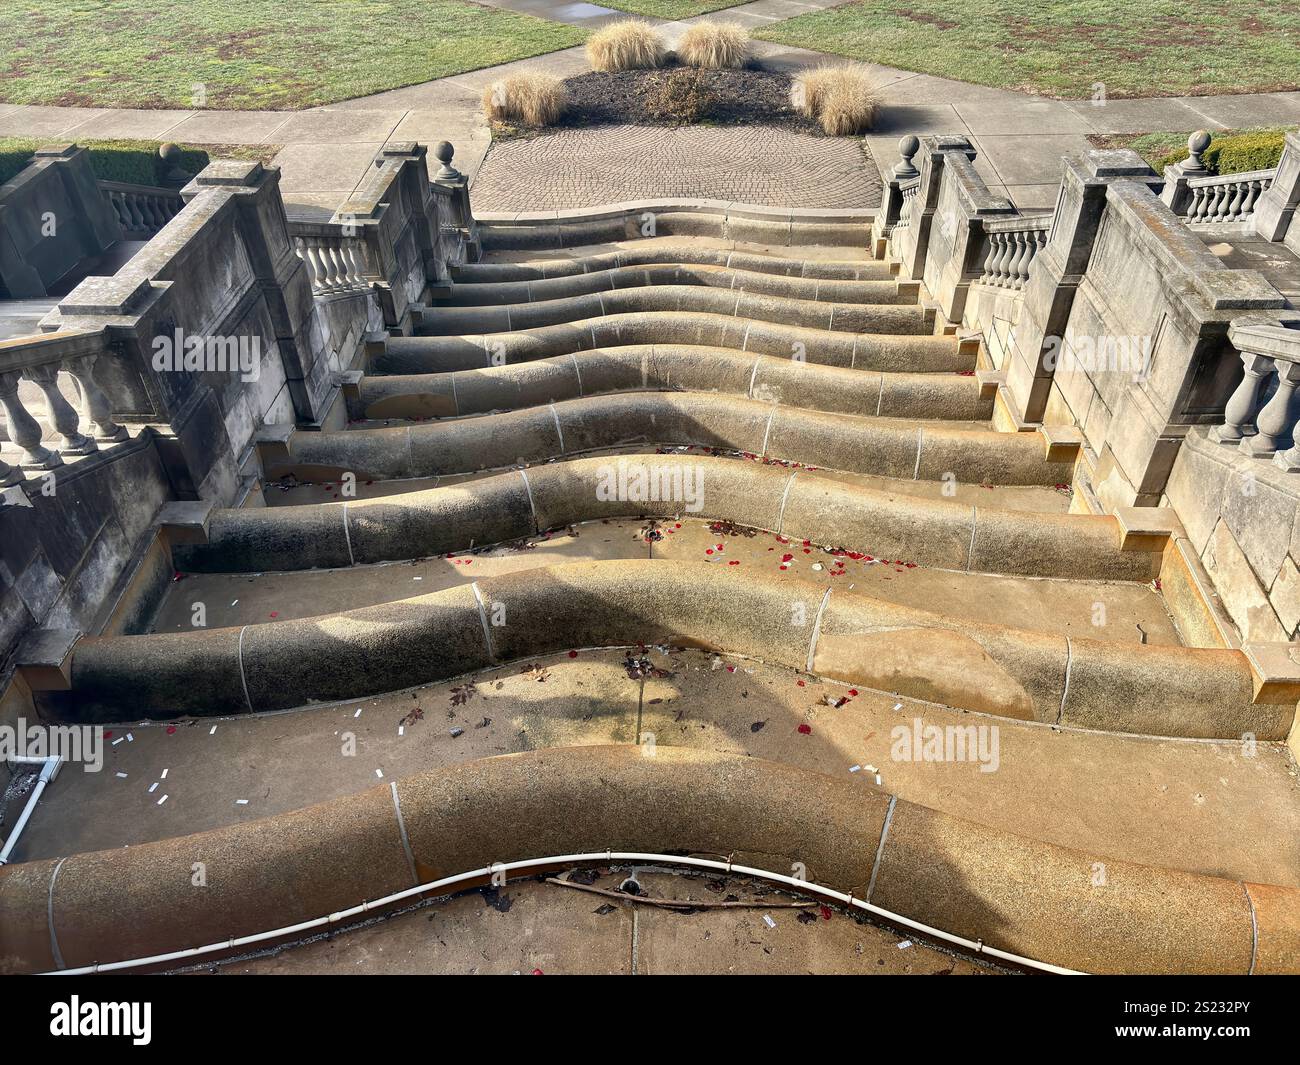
{"x":40,"y":360}
{"x":1228,"y":198}
{"x":141,"y":210}
{"x":1202,"y":198}
{"x":1261,"y":415}
{"x":336,"y":260}
{"x":1013,"y":245}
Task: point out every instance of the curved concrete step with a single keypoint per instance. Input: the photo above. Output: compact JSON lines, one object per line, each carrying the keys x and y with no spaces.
{"x":780,"y":227}
{"x":838,"y":634}
{"x":799,"y":505}
{"x":674,"y":367}
{"x":1019,"y":895}
{"x":1202,"y":806}
{"x":647,"y":253}
{"x":898,"y":353}
{"x":668,"y":274}
{"x":893,"y":448}
{"x":901,"y":315}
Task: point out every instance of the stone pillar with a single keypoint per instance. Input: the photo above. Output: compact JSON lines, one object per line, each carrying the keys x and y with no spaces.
{"x":449,"y":177}
{"x":1275,"y":211}
{"x":892,"y":199}
{"x":933,"y":152}
{"x":1176,"y":193}
{"x":1058,"y":269}
{"x":86,"y":225}
{"x":281,"y":275}
{"x":956,"y":238}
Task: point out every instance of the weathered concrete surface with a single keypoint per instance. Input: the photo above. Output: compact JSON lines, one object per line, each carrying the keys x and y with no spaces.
{"x":928,"y":866}
{"x":848,"y":636}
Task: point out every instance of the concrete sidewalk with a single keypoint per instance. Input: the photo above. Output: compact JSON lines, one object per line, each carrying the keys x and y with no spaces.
{"x":326,"y":151}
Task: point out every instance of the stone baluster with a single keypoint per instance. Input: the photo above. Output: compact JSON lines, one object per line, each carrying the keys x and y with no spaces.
{"x":1252,"y":195}
{"x":67,"y":422}
{"x":1276,"y":422}
{"x":1020,"y":264}
{"x":1002,"y":268}
{"x":997,"y":268}
{"x":98,"y":409}
{"x":1235,"y":203}
{"x":356,"y":255}
{"x":342,"y":269}
{"x":23,"y":428}
{"x":1239,"y":413}
{"x":307,"y":253}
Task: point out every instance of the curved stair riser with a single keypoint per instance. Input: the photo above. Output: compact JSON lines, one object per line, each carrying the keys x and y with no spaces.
{"x":846,"y":636}
{"x":904,"y":317}
{"x":638,"y":254}
{"x":666,"y":274}
{"x":802,"y":506}
{"x":1017,"y":894}
{"x":636,"y":224}
{"x":895,"y":353}
{"x":682,"y":368}
{"x":830,"y":441}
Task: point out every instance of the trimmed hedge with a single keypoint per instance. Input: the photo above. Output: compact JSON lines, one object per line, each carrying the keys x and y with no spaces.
{"x":133,"y":162}
{"x":1231,"y":153}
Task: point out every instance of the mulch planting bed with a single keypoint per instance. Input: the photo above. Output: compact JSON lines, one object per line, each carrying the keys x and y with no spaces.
{"x":748,"y":96}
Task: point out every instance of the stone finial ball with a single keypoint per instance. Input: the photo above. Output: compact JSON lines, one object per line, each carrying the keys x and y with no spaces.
{"x":909,"y":146}
{"x":1198,"y":142}
{"x":170,"y":153}
{"x":443,"y":152}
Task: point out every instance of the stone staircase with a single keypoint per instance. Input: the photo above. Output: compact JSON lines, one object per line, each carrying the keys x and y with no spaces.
{"x":690,"y":543}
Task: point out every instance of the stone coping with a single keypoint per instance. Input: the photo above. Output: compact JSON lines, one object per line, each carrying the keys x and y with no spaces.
{"x":837,"y":634}
{"x":1017,"y":894}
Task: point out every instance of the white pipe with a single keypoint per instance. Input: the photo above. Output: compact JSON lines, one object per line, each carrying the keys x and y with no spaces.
{"x":974,"y":946}
{"x":49,"y":768}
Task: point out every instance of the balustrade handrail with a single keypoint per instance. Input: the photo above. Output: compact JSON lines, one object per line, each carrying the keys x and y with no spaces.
{"x":1020,"y":223}
{"x":40,"y":349}
{"x":143,"y":190}
{"x":1231,"y":179}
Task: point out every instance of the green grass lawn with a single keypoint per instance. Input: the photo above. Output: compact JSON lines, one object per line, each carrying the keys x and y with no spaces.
{"x":669,"y":9}
{"x":1064,"y":48}
{"x":251,"y":54}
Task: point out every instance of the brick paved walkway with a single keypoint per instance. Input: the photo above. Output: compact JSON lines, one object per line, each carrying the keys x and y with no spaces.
{"x":754,"y":164}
